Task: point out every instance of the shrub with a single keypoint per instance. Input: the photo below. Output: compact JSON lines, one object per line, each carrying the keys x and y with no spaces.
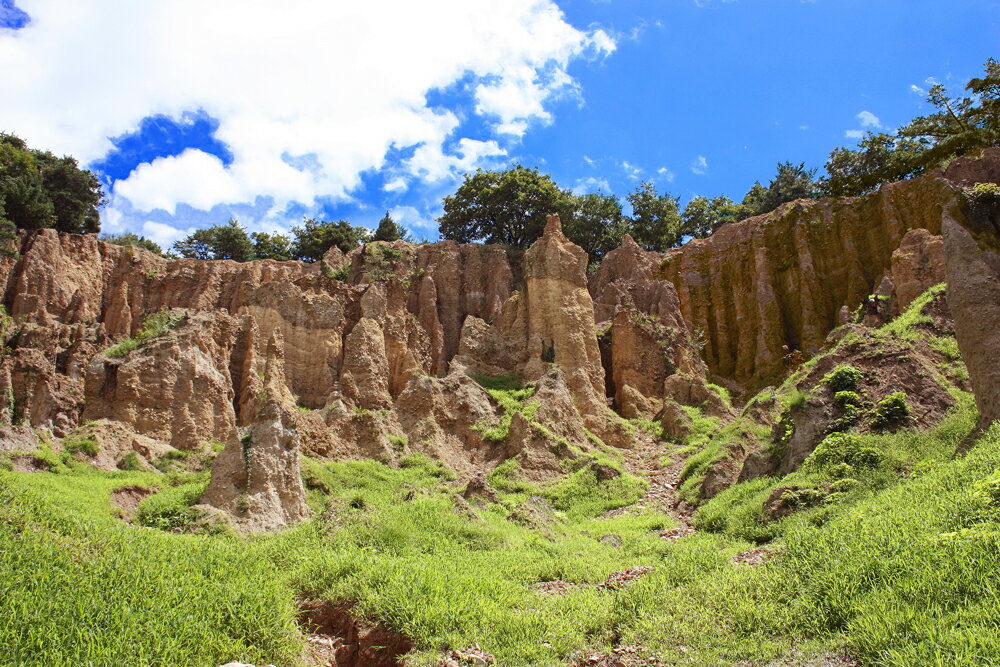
{"x":843,"y":448}
{"x":843,"y":378}
{"x":86,"y":446}
{"x":131,"y":462}
{"x":891,"y":412}
{"x":846,"y":399}
{"x":153,"y":326}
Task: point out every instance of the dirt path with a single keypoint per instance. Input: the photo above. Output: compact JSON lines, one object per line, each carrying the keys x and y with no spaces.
{"x":645,"y":457}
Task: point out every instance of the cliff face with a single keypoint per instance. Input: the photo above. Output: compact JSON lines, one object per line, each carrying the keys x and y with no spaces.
{"x":377,"y":346}
{"x":760,"y":289}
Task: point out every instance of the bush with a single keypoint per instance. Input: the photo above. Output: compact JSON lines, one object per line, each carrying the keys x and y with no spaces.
{"x":86,"y":446}
{"x":843,"y":448}
{"x":153,"y":326}
{"x":843,"y":378}
{"x":891,"y":412}
{"x":846,"y":399}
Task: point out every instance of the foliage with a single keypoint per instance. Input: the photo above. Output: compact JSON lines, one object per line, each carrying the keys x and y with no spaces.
{"x":85,"y":445}
{"x":271,"y":246}
{"x":39,"y":190}
{"x":315,"y":237}
{"x":153,"y":326}
{"x":512,"y":395}
{"x":790,"y":182}
{"x":656,"y":222}
{"x":843,"y":378}
{"x":958,"y":126}
{"x":390,"y":230}
{"x":891,"y":412}
{"x":703,"y":216}
{"x":228,"y":241}
{"x":130,"y":239}
{"x":507,"y":207}
{"x":596,"y":223}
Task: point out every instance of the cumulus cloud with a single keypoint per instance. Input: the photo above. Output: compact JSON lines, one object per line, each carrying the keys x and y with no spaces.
{"x":341,"y":83}
{"x":700,"y":165}
{"x":632,"y":171}
{"x":665,"y":174}
{"x":854,"y":134}
{"x":591,"y":184}
{"x":868,"y":119}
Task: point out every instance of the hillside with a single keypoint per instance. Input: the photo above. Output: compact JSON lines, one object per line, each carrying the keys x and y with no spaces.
{"x":773,"y":445}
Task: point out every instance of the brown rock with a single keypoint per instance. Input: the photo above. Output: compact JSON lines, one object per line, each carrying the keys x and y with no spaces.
{"x":917,"y":264}
{"x":256,"y":479}
{"x":972,"y":252}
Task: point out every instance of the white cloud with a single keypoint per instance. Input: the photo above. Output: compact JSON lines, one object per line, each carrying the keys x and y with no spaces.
{"x":395,"y":185}
{"x":868,"y":119}
{"x":591,"y":184}
{"x":700,"y":165}
{"x":431,"y":163}
{"x":665,"y":174}
{"x":854,"y":134}
{"x":421,"y":225}
{"x":631,"y":170}
{"x":342,"y":81}
{"x":589,"y":160}
{"x":917,"y":90}
{"x":162,"y":234}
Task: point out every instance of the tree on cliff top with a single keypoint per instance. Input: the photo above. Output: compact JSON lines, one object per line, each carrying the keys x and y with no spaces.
{"x":507,"y":207}
{"x":390,"y":230}
{"x":39,"y":190}
{"x":315,"y":237}
{"x":228,"y":241}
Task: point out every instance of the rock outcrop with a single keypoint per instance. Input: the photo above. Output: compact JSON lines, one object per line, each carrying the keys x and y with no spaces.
{"x":256,"y":478}
{"x":760,"y":289}
{"x":972,"y":248}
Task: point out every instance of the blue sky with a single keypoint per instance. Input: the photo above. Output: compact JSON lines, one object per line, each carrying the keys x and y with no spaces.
{"x":343,"y":111}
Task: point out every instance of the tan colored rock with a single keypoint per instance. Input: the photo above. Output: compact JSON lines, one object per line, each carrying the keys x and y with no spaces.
{"x":256,"y":479}
{"x":972,"y":253}
{"x":177,"y":388}
{"x":766,"y":286}
{"x":917,"y":264}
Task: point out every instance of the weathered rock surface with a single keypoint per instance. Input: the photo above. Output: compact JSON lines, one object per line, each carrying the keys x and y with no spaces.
{"x":917,"y":264}
{"x":972,"y":248}
{"x":764,"y":287}
{"x":256,"y":478}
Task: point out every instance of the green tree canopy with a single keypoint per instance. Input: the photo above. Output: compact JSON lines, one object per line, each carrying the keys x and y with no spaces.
{"x":130,"y":239}
{"x":389,"y":230}
{"x":39,"y":190}
{"x":702,"y":216}
{"x":271,"y":246}
{"x":595,"y":223}
{"x":315,"y":237}
{"x":656,"y":220}
{"x":228,"y":241}
{"x":958,"y":126}
{"x":508,"y":207}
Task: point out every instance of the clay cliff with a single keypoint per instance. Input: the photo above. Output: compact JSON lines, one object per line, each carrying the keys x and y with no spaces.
{"x":396,"y":348}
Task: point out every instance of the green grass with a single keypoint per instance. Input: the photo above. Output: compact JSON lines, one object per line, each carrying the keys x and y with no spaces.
{"x":512,"y":395}
{"x":900,"y":571}
{"x":153,"y":327}
{"x":82,"y":445}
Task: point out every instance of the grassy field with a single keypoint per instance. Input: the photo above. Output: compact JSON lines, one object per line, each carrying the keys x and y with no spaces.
{"x":892,"y":556}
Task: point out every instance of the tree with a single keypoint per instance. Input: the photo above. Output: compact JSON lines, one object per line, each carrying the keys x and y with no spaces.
{"x":228,"y":241}
{"x":271,"y":246}
{"x":314,"y":238}
{"x":389,"y":230}
{"x":507,"y":207}
{"x":40,"y":190}
{"x":595,"y":223}
{"x":75,"y":193}
{"x":961,"y":124}
{"x":791,"y":182}
{"x":130,"y":239}
{"x":702,"y":216}
{"x":879,"y":158}
{"x":656,"y":219}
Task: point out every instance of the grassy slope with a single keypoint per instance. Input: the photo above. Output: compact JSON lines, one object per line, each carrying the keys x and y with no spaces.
{"x":901,"y":568}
